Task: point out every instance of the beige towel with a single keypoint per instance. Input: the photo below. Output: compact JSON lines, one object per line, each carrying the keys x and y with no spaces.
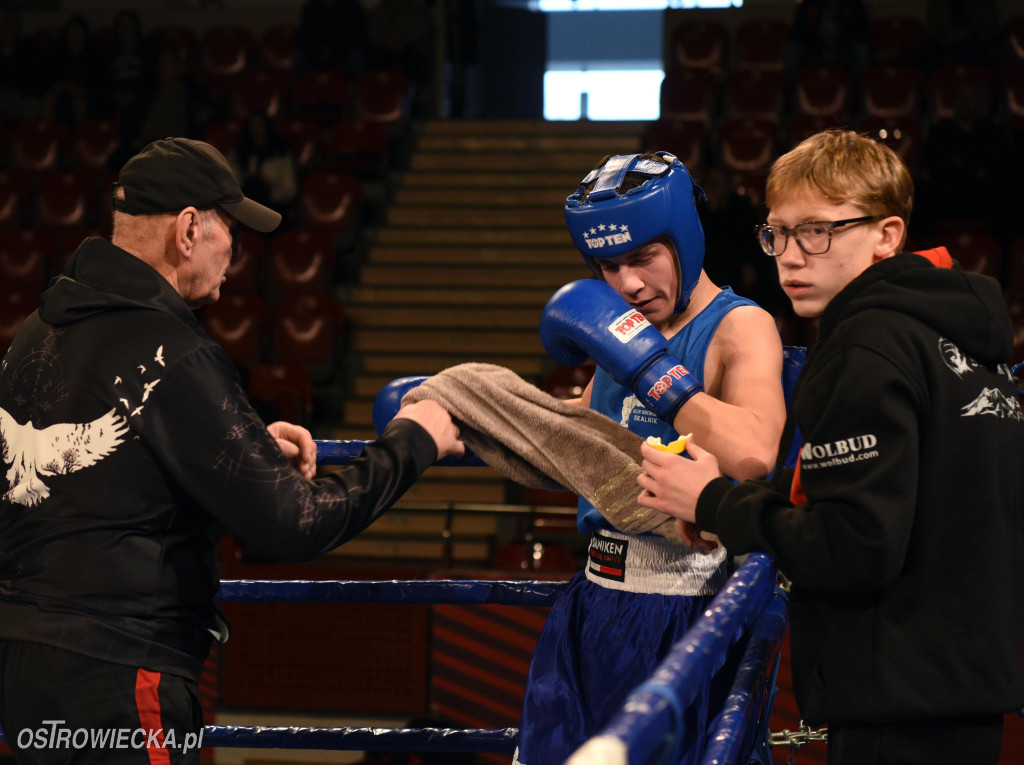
{"x":538,"y":440}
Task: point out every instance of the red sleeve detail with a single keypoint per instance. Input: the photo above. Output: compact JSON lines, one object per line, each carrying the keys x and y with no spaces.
{"x":796,"y":490}
{"x":939,"y":256}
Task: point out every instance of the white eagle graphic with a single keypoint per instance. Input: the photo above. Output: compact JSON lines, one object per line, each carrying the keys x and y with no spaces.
{"x":56,"y":450}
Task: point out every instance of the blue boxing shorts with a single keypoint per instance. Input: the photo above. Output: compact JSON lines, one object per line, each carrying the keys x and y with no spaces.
{"x":606,"y":634}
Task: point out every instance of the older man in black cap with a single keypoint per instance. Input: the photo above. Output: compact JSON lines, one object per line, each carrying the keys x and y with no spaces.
{"x":128,"y":448}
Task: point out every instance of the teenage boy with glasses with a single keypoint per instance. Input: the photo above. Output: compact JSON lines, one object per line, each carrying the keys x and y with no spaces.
{"x":901,"y":526}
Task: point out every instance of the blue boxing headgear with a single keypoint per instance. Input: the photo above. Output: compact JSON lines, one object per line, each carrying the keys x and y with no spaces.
{"x":612,"y":221}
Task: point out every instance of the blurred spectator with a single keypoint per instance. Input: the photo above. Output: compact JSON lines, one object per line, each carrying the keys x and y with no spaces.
{"x":129,"y":68}
{"x":733,"y":256}
{"x":962,"y":31}
{"x":964,"y":168}
{"x":19,"y":72}
{"x":399,"y":33}
{"x":175,"y":106}
{"x":829,"y":32}
{"x":74,"y":75}
{"x":331,"y":35}
{"x":264,"y":164}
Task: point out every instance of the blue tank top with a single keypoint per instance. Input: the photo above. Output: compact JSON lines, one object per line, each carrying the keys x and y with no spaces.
{"x":690,"y":346}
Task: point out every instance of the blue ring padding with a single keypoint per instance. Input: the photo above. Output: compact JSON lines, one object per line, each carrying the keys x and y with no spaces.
{"x":695,"y":658}
{"x":675,"y":730}
{"x":330,"y":452}
{"x":437,"y":591}
{"x":369,"y":739}
{"x":748,"y":700}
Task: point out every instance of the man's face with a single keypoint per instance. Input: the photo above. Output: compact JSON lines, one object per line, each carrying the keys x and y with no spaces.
{"x":211,"y":258}
{"x":812,"y":281}
{"x":647,"y":278}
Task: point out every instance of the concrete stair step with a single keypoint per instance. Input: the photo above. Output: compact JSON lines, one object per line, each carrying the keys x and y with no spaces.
{"x":396,"y":293}
{"x":467,"y":318}
{"x":515,"y":144}
{"x":445,"y":341}
{"x":523,"y":236}
{"x":529,"y":127}
{"x":531,"y":162}
{"x":477,"y":217}
{"x":495,"y":179}
{"x":551,"y":277}
{"x":530,"y":367}
{"x":444,"y":196}
{"x":483,"y":255}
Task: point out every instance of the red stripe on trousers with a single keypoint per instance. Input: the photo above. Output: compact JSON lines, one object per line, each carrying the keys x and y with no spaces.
{"x":148,"y":702}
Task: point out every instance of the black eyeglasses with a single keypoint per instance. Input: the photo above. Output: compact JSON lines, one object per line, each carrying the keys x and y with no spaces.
{"x":813,"y":237}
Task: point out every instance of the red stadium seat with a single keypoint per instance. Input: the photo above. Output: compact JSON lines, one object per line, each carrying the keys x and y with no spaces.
{"x":747,"y":145}
{"x":301,"y":261}
{"x":904,"y":135}
{"x":754,"y":94}
{"x":1013,"y":36}
{"x":357,"y":146}
{"x":246,"y":270}
{"x":94,"y":142}
{"x":322,"y":95}
{"x":891,"y":90}
{"x":687,"y":140}
{"x":823,"y":91}
{"x":701,"y":44}
{"x":309,"y":331}
{"x":39,"y":145}
{"x":305,"y":138}
{"x":240,"y":323}
{"x":277,"y":46}
{"x":226,"y":50}
{"x":805,"y":125}
{"x":64,"y":199}
{"x":15,"y":198}
{"x":761,"y":44}
{"x":223,"y":135}
{"x":24,"y":260}
{"x":281,"y":392}
{"x":947,"y":82}
{"x":382,"y":95}
{"x":688,"y":94}
{"x":262,"y":90}
{"x":331,"y":200}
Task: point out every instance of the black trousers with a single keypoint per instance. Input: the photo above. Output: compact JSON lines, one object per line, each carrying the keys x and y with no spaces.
{"x":960,"y":741}
{"x":57,"y":706}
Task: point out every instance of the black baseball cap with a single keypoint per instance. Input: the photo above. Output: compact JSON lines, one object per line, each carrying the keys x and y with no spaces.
{"x":174,"y":173}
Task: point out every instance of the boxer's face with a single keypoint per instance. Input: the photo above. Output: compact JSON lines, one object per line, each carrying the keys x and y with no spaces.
{"x":812,"y":281}
{"x":647,"y":278}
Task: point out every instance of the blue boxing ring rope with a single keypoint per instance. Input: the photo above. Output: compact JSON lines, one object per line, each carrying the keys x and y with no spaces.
{"x":748,"y":615}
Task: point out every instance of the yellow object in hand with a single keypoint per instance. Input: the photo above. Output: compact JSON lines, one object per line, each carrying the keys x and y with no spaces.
{"x":675,"y":447}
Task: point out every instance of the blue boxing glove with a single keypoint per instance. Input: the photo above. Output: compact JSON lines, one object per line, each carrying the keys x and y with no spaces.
{"x":589,"y":319}
{"x":389,"y":401}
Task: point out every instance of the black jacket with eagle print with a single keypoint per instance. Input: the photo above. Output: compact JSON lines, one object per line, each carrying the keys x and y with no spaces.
{"x":128,"y":448}
{"x":902,"y":527}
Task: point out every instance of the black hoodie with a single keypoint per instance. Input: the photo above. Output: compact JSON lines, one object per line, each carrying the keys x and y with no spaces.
{"x":902,"y":527}
{"x":128,"y":448}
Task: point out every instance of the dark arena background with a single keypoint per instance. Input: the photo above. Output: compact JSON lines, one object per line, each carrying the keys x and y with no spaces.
{"x":421,"y":187}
